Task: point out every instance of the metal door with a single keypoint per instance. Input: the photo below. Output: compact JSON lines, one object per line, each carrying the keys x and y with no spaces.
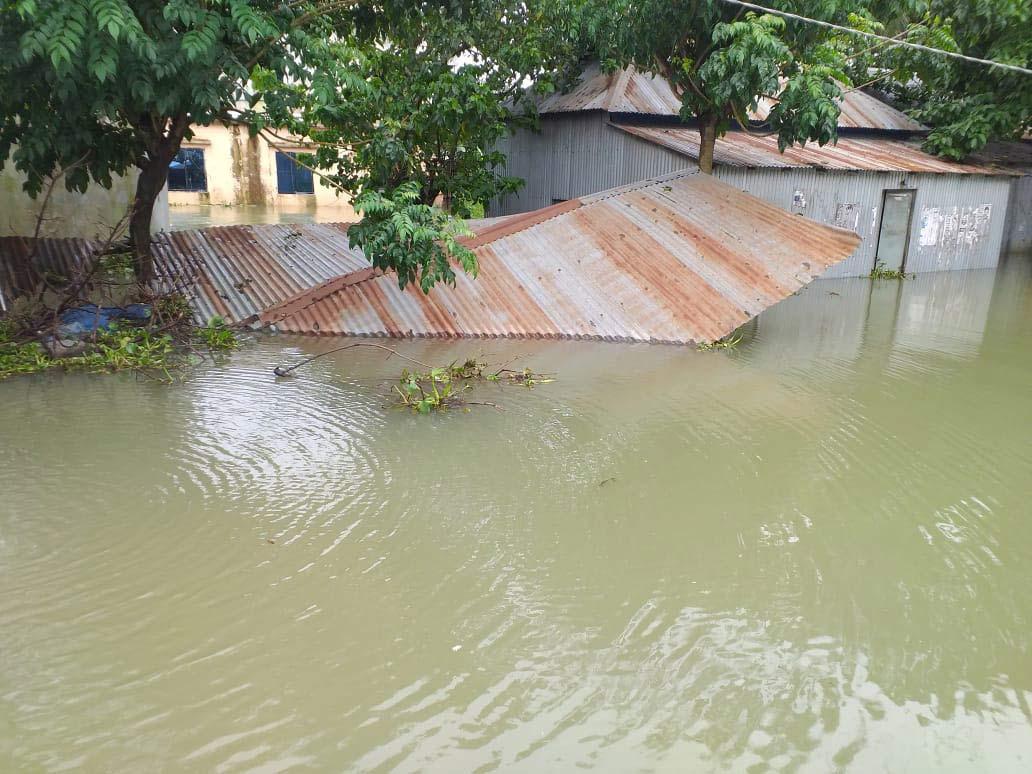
{"x":894,"y":233}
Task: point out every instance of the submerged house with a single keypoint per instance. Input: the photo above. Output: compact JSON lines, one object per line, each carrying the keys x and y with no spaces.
{"x":1015,"y":157}
{"x":92,"y":214}
{"x":222,"y":164}
{"x":913,"y":211}
{"x":679,"y":259}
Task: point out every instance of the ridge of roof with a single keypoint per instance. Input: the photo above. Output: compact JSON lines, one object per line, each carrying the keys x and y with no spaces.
{"x":520,"y":222}
{"x":635,"y":92}
{"x":870,"y":154}
{"x":305,"y":298}
{"x":509,"y":226}
{"x":643,"y":264}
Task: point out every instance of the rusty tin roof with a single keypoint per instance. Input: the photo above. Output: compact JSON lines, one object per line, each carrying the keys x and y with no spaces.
{"x":859,"y":110}
{"x":622,"y":91}
{"x":22,"y":259}
{"x":239,"y":271}
{"x":679,"y":259}
{"x":873,"y":154}
{"x":632,"y":91}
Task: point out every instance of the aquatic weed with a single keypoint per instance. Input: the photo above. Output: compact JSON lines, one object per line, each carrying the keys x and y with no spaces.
{"x":881,"y":272}
{"x":729,"y":342}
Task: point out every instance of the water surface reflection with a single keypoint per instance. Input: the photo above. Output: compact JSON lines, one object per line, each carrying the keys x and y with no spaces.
{"x":808,"y":554}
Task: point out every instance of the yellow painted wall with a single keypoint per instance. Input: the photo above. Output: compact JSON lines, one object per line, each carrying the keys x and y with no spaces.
{"x":91,"y":215}
{"x":241,"y":170}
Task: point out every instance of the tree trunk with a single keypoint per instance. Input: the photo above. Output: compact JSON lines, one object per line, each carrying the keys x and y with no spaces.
{"x":148,"y":188}
{"x":163,"y":147}
{"x":707,"y":139}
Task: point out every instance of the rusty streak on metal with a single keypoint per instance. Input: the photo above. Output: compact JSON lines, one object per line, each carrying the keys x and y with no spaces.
{"x":631,"y":91}
{"x":679,"y":259}
{"x":871,"y":154}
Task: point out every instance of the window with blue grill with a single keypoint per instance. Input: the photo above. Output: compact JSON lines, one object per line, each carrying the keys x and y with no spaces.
{"x":186,"y":172}
{"x":291,"y":177}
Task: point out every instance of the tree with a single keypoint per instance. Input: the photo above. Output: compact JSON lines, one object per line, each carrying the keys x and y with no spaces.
{"x":417,"y":240}
{"x":965,"y":103}
{"x":721,"y":60}
{"x":443,"y":87}
{"x":101,"y":86}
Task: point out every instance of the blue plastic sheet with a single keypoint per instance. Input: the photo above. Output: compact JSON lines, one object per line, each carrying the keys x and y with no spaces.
{"x":90,"y":317}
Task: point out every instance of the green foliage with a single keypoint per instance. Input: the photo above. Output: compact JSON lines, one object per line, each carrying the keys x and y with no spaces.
{"x":881,"y":271}
{"x":418,"y":241}
{"x":726,"y":343}
{"x":439,"y":89}
{"x":96,"y":87}
{"x":966,"y":104}
{"x":166,"y":344}
{"x":115,"y":349}
{"x":104,"y":79}
{"x":432,"y":391}
{"x":723,"y":60}
{"x":217,"y":336}
{"x":443,"y":387}
{"x":22,"y":359}
{"x":117,"y":265}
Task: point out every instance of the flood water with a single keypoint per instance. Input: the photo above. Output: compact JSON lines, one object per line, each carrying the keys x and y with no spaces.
{"x":813,"y":553}
{"x":183,"y":216}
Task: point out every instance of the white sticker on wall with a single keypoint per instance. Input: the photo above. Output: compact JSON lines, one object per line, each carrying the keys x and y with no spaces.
{"x":847,"y":216}
{"x":931,"y":226}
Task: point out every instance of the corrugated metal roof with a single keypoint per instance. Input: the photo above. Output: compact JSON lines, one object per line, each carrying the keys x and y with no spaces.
{"x":232,"y":271}
{"x":859,"y":110}
{"x":1015,"y":155}
{"x":632,"y":91}
{"x":874,"y":154}
{"x":239,"y":271}
{"x":679,"y":259}
{"x":22,"y":259}
{"x":622,"y":91}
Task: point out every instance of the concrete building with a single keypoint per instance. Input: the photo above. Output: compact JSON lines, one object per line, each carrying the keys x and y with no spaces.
{"x":913,"y":211}
{"x":223,"y":165}
{"x":89,"y":215}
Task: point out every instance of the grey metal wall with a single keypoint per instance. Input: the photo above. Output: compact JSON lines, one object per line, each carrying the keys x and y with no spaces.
{"x":1019,"y":217}
{"x":576,"y":155}
{"x":959,"y":221}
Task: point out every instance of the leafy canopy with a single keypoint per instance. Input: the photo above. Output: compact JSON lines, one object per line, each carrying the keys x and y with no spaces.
{"x":96,"y":87}
{"x":104,"y":80}
{"x":442,"y":88}
{"x":416,"y":240}
{"x":722,"y":60}
{"x":966,"y":104}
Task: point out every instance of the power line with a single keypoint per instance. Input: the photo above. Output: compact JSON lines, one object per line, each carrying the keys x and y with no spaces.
{"x":890,"y":41}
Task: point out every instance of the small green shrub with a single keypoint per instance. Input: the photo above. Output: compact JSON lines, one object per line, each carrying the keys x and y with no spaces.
{"x":881,"y":272}
{"x":728,"y":342}
{"x":443,"y":387}
{"x":217,"y":336}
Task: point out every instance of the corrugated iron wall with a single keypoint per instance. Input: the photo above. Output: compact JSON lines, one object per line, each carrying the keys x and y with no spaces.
{"x":959,"y":221}
{"x":822,"y":196}
{"x":577,"y":155}
{"x":1019,"y":217}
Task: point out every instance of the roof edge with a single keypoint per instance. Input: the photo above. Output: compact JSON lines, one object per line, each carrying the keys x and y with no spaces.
{"x":305,"y":298}
{"x":518,"y":223}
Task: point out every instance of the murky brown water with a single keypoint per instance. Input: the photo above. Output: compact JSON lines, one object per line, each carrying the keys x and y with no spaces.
{"x":811,"y":554}
{"x":184,"y":217}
